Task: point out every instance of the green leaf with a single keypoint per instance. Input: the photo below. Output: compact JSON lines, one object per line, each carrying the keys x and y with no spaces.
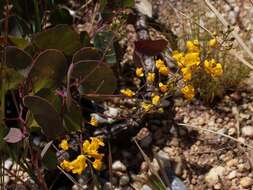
{"x":48,"y":71}
{"x":96,"y":77}
{"x":19,"y":42}
{"x":49,"y":160}
{"x":128,"y":3}
{"x":46,"y":116}
{"x":3,"y":132}
{"x":104,"y":41}
{"x":102,"y":4}
{"x":50,"y":95}
{"x":87,"y":53}
{"x":12,"y":78}
{"x":85,"y":39}
{"x":17,"y":58}
{"x":61,"y":37}
{"x":60,"y":16}
{"x":73,"y":117}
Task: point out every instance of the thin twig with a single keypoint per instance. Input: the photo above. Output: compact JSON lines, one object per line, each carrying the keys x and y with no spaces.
{"x":234,"y":33}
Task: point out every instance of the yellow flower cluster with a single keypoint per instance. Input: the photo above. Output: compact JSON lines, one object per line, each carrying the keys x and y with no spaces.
{"x":90,"y":151}
{"x":127,"y":92}
{"x":162,"y":68}
{"x":64,"y":145}
{"x":151,"y":77}
{"x":213,"y":68}
{"x":77,"y":166}
{"x":188,"y":92}
{"x":212,"y":43}
{"x":146,"y":106}
{"x":156,"y":100}
{"x":188,"y":61}
{"x":163,"y":87}
{"x":139,"y":72}
{"x":94,"y":121}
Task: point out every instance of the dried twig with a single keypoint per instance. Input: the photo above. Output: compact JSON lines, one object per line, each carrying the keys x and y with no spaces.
{"x":234,"y":33}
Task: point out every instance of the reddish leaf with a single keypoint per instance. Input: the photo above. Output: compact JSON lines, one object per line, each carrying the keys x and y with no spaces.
{"x":150,"y":47}
{"x":14,"y":135}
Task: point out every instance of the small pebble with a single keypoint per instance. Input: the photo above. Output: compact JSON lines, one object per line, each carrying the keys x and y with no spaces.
{"x":232,"y":162}
{"x":232,"y":174}
{"x":231,"y":131}
{"x":247,"y":131}
{"x":246,"y":182}
{"x":212,"y":177}
{"x":119,"y":166}
{"x":124,"y":180}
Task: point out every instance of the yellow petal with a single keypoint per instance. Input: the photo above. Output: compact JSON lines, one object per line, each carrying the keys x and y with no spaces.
{"x":64,"y":145}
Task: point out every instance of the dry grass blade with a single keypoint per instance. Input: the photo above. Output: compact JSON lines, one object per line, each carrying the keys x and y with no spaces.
{"x":151,"y":167}
{"x":110,"y":161}
{"x":189,"y":18}
{"x":234,"y":33}
{"x":70,"y":177}
{"x":240,"y":58}
{"x":220,"y":134}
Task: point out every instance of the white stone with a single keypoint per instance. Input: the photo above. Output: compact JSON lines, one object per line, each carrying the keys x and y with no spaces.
{"x":232,"y":174}
{"x":212,"y":177}
{"x":124,"y":180}
{"x":247,"y":131}
{"x":246,"y":182}
{"x":119,"y":166}
{"x":8,"y":163}
{"x":146,"y":187}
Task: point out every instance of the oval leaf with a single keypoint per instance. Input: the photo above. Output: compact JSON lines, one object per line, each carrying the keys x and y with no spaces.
{"x":48,"y":70}
{"x":150,"y":47}
{"x":45,"y":115}
{"x":96,"y":77}
{"x":17,"y":58}
{"x":61,"y":37}
{"x":60,"y":16}
{"x":14,"y":136}
{"x":87,"y":53}
{"x":104,"y":41}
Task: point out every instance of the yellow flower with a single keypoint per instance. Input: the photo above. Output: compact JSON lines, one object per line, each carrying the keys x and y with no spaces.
{"x":187,"y":73}
{"x":64,"y":145}
{"x":188,"y":92}
{"x":97,"y":164}
{"x":139,"y":72}
{"x":93,"y":121}
{"x":127,"y":92}
{"x":147,"y":107}
{"x":159,"y":63}
{"x":156,"y":100}
{"x":151,"y":78}
{"x":192,"y":46}
{"x":191,"y":59}
{"x":163,"y":87}
{"x":213,"y":68}
{"x":160,"y":110}
{"x":77,"y":166}
{"x":164,"y":70}
{"x":66,"y":165}
{"x":212,"y":43}
{"x":218,"y":71}
{"x":179,"y":58}
{"x":91,"y":148}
